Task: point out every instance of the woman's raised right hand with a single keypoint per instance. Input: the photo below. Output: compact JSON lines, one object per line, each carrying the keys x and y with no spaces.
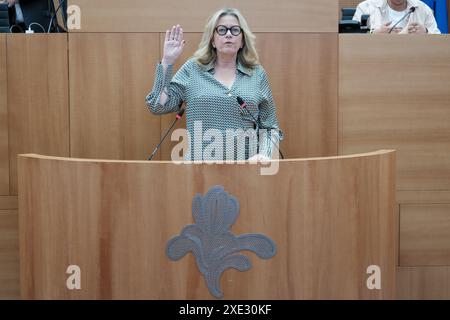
{"x":173,"y":45}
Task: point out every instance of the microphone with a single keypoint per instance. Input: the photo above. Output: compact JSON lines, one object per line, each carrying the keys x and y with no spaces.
{"x":410,"y":11}
{"x":177,"y":117}
{"x":243,"y":106}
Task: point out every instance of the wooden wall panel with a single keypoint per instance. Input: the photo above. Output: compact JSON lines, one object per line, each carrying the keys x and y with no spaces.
{"x":425,"y":235}
{"x":9,"y":255}
{"x":4,"y":155}
{"x":393,"y":93}
{"x":9,"y":248}
{"x":422,"y":197}
{"x":157,"y":15}
{"x":38,"y":102}
{"x":302,"y":70}
{"x":423,"y":283}
{"x":8,"y":202}
{"x":110,"y":76}
{"x":349,"y":3}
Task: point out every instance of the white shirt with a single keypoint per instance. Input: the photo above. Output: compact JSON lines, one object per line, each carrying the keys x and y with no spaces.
{"x":395,"y":16}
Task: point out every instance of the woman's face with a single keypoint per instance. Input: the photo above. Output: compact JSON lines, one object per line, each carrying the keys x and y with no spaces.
{"x":228,"y":44}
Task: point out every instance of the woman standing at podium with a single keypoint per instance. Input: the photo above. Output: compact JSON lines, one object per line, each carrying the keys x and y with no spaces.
{"x":225,"y":67}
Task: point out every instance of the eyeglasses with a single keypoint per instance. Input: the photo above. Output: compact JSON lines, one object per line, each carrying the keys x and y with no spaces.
{"x":223,"y":30}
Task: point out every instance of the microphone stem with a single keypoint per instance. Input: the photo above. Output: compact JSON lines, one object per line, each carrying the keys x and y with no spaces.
{"x":54,"y":15}
{"x":164,"y":138}
{"x":262,"y":127}
{"x":400,"y":20}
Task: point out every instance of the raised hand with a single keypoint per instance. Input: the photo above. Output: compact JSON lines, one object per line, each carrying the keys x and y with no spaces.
{"x":173,"y":44}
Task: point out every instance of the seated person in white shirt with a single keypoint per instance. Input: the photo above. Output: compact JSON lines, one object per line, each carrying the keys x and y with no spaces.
{"x":385,"y":15}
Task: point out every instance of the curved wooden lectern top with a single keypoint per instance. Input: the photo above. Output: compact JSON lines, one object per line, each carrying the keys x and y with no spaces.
{"x":332,"y":220}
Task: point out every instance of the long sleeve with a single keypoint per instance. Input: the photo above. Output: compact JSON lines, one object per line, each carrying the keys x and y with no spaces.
{"x":364,"y":8}
{"x":430,"y":23}
{"x":175,"y":89}
{"x":359,"y":12}
{"x":270,"y":133}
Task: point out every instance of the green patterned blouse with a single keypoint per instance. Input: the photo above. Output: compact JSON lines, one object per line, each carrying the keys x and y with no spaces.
{"x":212,"y":108}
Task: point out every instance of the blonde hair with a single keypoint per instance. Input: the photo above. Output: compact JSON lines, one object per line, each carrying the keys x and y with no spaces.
{"x":247,"y":56}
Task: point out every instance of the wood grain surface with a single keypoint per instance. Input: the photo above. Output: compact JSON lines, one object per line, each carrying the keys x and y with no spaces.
{"x":330,"y":218}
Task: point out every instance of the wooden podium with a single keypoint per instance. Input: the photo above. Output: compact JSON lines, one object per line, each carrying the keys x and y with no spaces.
{"x":330,"y":219}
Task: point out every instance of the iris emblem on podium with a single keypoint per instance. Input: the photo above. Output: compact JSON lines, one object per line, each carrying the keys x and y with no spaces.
{"x":210,"y":240}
